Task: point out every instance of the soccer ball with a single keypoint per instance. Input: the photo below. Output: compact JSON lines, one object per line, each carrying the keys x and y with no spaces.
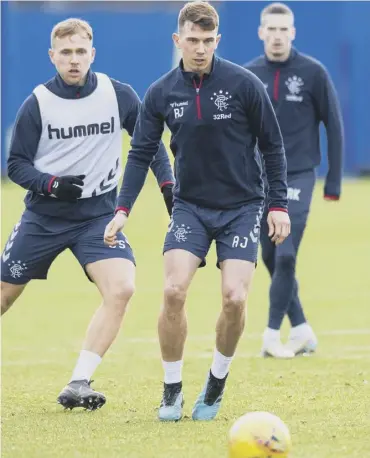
{"x":259,"y":435}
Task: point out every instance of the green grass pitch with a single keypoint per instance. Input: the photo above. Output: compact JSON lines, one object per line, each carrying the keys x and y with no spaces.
{"x":324,"y":399}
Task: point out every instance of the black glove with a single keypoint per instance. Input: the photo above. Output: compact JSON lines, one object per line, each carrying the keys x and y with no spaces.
{"x":67,"y":188}
{"x":168,"y":197}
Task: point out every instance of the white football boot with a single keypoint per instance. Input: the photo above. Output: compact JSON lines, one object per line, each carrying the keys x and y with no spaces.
{"x":302,"y":340}
{"x":272,"y":346}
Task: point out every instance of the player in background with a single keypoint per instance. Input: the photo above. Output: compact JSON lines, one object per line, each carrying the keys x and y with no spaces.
{"x":303,"y":96}
{"x":216,"y":112}
{"x":66,"y":151}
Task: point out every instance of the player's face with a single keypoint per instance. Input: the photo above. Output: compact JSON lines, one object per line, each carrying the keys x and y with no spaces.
{"x":72,"y":57}
{"x":277,"y":32}
{"x":197,"y":47}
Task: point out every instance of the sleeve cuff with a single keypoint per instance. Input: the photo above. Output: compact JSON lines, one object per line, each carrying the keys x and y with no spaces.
{"x":122,"y":209}
{"x":330,"y":197}
{"x":278,"y":209}
{"x":50,"y":184}
{"x":165,"y":183}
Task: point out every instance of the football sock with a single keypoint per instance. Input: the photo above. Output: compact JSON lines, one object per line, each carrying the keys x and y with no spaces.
{"x":86,"y":365}
{"x":220,"y":364}
{"x":172,"y":371}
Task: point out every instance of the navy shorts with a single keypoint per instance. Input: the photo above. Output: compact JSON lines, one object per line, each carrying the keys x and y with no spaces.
{"x":235,"y":231}
{"x":38,"y":239}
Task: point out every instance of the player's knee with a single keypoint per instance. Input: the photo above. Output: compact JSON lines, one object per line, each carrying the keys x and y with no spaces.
{"x":286,"y":262}
{"x":174,"y":295}
{"x":118,"y":295}
{"x":234,"y":301}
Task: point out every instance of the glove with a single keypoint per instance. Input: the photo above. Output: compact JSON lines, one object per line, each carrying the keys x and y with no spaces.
{"x":168,"y":197}
{"x":66,"y":188}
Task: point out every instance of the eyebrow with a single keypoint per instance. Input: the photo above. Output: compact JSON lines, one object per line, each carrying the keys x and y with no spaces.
{"x":199,"y":39}
{"x":71,"y":49}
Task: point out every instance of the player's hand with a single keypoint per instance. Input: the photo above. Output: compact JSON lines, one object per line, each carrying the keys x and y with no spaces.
{"x":67,"y":188}
{"x":279,"y":226}
{"x":112,"y":228}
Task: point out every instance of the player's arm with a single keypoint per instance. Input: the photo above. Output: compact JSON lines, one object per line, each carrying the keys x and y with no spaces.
{"x":265,"y":128}
{"x":160,"y":165}
{"x":144,"y":146}
{"x":329,"y":112}
{"x":23,"y":148}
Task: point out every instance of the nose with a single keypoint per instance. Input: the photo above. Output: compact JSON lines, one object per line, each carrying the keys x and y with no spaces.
{"x":74,"y":59}
{"x":201,"y":48}
{"x":278,"y":34}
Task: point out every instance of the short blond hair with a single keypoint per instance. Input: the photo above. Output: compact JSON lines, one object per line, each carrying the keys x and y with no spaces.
{"x":276,"y":8}
{"x":200,"y":13}
{"x":69,"y":27}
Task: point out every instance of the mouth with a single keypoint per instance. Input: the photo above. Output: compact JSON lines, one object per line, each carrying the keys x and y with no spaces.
{"x":74,"y":72}
{"x":199,"y":61}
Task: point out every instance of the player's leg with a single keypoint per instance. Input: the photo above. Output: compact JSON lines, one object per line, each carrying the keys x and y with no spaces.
{"x":115,"y":279}
{"x":113,"y":272}
{"x":302,"y":338}
{"x":29,"y":251}
{"x":295,"y":311}
{"x":282,"y":288}
{"x":237,"y":240}
{"x":180,"y":267}
{"x":9,"y":293}
{"x":186,"y":246}
{"x":271,"y":345}
{"x":284,"y":285}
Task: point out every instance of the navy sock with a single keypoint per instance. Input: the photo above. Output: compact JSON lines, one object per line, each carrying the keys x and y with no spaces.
{"x":281,"y":290}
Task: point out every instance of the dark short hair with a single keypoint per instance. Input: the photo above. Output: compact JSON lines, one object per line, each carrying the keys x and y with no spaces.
{"x":276,"y":8}
{"x":200,"y":13}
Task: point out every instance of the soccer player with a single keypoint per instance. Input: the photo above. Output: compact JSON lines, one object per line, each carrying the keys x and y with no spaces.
{"x":303,"y":96}
{"x":217,"y":112}
{"x":66,"y":151}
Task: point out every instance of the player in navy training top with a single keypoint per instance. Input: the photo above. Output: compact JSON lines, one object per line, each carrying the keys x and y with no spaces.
{"x":66,"y":151}
{"x":303,"y":96}
{"x":218,"y":113}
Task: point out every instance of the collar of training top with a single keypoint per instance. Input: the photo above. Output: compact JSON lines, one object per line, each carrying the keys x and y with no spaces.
{"x":285,"y":63}
{"x":193,"y":76}
{"x":60,"y":88}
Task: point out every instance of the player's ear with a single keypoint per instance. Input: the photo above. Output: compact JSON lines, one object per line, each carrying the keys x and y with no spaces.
{"x":93,"y":53}
{"x":261,"y":35}
{"x":218,"y":38}
{"x":51,"y":55}
{"x":176,"y":39}
{"x":293,"y":33}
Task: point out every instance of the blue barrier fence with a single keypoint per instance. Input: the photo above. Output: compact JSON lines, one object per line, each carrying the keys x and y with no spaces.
{"x":133,"y":41}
